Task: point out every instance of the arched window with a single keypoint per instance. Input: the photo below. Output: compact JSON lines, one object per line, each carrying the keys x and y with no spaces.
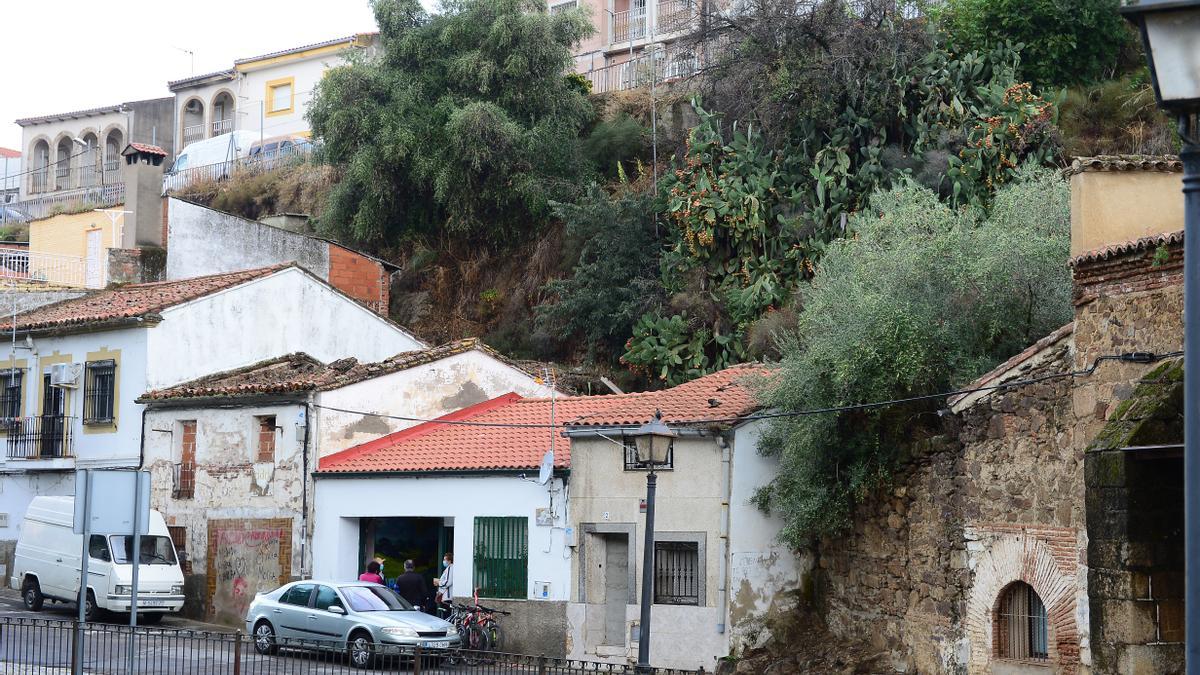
{"x":1021,"y":624}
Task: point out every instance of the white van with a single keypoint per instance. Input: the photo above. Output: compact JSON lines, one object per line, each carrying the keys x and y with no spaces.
{"x":210,"y":159}
{"x":46,"y":564}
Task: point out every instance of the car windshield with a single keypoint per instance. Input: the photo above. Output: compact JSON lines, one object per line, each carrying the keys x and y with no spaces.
{"x":155,"y":550}
{"x":374,"y":599}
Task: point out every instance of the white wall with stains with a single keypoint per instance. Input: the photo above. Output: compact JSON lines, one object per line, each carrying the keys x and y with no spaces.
{"x":289,"y":311}
{"x":425,"y":392}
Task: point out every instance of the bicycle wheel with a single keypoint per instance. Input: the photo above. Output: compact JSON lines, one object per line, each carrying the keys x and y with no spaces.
{"x":495,"y":637}
{"x":476,"y":644}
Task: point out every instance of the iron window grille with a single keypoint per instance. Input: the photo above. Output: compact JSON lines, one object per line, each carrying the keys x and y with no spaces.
{"x":1021,"y":624}
{"x":99,"y":392}
{"x":10,"y":394}
{"x":632,"y":463}
{"x":676,"y":573}
{"x":502,"y":557}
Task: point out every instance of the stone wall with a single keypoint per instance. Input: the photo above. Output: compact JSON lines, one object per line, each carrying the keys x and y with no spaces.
{"x":997,"y":499}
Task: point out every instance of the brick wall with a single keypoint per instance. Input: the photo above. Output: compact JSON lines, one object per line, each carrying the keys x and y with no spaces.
{"x":359,"y":277}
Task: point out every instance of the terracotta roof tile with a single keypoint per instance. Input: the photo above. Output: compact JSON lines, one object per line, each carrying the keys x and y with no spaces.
{"x":1166,"y":163}
{"x":301,"y":372}
{"x":438,"y":446}
{"x":1126,"y":247}
{"x":148,"y":149}
{"x":130,"y":301}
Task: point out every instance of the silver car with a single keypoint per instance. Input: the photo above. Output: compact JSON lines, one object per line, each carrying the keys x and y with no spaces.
{"x":365,"y":619}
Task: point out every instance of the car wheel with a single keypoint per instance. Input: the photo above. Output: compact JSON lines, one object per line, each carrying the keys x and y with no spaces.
{"x":264,"y":638}
{"x":90,"y":611}
{"x":361,"y":650}
{"x":31,"y":593}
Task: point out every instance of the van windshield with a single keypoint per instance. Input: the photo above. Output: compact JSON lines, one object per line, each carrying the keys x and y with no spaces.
{"x":155,"y":550}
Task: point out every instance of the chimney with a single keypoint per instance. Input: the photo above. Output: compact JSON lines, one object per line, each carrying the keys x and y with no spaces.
{"x":1119,"y":198}
{"x":143,"y":176}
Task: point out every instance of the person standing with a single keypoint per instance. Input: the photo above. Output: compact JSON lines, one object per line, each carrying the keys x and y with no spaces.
{"x":445,"y":583}
{"x":412,"y":587}
{"x":372,"y":574}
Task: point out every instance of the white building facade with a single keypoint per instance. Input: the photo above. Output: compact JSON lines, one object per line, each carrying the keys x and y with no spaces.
{"x":267,"y":94}
{"x":79,"y":366}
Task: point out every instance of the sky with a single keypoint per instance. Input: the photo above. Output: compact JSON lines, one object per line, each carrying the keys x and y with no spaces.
{"x":64,"y":55}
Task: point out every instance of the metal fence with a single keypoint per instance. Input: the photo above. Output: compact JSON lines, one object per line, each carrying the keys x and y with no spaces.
{"x":42,"y":647}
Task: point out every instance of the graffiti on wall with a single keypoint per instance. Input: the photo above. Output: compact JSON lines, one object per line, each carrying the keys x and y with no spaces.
{"x":245,"y":557}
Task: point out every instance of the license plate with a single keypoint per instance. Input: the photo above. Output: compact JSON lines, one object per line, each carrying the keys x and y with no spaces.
{"x":151,"y":605}
{"x":439,"y":644}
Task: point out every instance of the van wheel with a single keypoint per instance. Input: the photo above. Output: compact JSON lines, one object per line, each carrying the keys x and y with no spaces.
{"x":31,"y":593}
{"x":90,"y":610}
{"x":149,"y":619}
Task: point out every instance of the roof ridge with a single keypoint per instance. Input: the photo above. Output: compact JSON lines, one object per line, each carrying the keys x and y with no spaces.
{"x":417,"y":431}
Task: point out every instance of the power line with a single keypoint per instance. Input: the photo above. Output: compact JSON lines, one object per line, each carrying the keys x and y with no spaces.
{"x":1128,"y":357}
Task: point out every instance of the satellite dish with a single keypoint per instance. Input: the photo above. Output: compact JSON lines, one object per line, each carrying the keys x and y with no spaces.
{"x":546,"y":472}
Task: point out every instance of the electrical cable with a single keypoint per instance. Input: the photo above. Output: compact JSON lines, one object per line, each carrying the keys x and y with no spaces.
{"x":1127,"y":357}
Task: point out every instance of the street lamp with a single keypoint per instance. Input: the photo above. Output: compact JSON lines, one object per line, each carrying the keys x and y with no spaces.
{"x":653,"y":442}
{"x":1170,"y":33}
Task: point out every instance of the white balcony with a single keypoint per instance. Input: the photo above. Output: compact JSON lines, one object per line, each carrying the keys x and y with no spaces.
{"x":222,"y":126}
{"x":192,"y":134}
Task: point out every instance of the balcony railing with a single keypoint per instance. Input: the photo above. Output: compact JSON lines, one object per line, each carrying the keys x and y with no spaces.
{"x":675,"y":15}
{"x":222,"y":126}
{"x":39,"y":181}
{"x":629,"y":25}
{"x":67,"y":201}
{"x":193,"y":133}
{"x":183,"y":481}
{"x":668,"y":65}
{"x":41,"y":437}
{"x":49,"y":268}
{"x":670,"y":16}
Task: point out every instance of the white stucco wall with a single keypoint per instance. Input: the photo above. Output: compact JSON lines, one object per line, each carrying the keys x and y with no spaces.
{"x":285,"y":312}
{"x":763,"y":572}
{"x":205,"y":241}
{"x":229,"y":481}
{"x":340,"y":502}
{"x":425,"y":392}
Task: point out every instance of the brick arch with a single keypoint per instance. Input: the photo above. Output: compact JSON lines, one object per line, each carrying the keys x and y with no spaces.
{"x":1023,"y":557}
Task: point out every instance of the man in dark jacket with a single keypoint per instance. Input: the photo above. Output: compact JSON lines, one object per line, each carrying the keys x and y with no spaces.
{"x":412,"y":587}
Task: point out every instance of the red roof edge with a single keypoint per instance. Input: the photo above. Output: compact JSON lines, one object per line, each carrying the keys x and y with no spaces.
{"x":329,"y":462}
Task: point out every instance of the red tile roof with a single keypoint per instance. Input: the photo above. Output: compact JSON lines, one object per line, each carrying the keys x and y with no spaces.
{"x":521,"y":432}
{"x":148,"y":149}
{"x":131,"y":301}
{"x":1126,"y":247}
{"x":10,"y":153}
{"x":301,"y":372}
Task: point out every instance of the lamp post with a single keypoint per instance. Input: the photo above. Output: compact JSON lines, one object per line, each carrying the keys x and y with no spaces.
{"x":653,"y":441}
{"x":1170,"y":33}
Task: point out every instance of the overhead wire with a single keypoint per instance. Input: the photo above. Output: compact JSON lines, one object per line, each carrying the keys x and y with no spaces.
{"x":1127,"y":357}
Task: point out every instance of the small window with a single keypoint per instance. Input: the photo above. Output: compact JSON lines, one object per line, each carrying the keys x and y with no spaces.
{"x":502,"y":557}
{"x":266,"y":438}
{"x":297,"y":595}
{"x":632,"y":463}
{"x":1021,"y":626}
{"x":279,"y":97}
{"x":326,"y":598}
{"x":676,"y":573}
{"x":10,"y":394}
{"x":99,"y":392}
{"x":98,"y":548}
{"x":179,"y":540}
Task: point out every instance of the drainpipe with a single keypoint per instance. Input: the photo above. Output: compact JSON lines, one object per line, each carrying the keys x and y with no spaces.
{"x":308,"y":407}
{"x":142,"y":442}
{"x":723,"y":564}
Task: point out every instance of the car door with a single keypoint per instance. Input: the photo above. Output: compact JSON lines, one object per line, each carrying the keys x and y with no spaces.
{"x":291,"y":615}
{"x":325,"y":623}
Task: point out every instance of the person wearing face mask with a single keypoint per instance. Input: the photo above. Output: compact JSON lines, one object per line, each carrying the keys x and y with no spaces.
{"x":445,"y":583}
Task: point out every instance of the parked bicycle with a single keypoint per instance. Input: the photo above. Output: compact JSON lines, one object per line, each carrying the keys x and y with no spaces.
{"x":479,"y":630}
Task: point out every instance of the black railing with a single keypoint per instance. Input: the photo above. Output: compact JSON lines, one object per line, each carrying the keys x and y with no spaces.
{"x":42,"y":437}
{"x":41,"y":646}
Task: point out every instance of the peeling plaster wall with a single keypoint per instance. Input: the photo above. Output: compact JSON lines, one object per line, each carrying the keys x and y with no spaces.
{"x":229,"y":482}
{"x":425,"y":392}
{"x":766,"y":577}
{"x":282,"y":313}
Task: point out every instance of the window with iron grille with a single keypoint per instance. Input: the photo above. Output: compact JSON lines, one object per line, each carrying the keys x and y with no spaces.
{"x":502,"y":557}
{"x":1021,"y":625}
{"x":99,"y":392}
{"x":632,"y":463}
{"x":10,"y":394}
{"x":677,"y":573}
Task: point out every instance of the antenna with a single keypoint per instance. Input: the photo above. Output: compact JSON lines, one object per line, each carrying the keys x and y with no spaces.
{"x":546,"y":472}
{"x":547,"y":469}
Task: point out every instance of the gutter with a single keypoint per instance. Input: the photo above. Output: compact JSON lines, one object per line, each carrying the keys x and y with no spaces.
{"x":437,"y":473}
{"x":582,"y":432}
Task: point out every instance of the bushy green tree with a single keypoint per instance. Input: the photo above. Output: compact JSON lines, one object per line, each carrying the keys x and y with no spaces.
{"x":921,"y":299}
{"x":465,"y":123}
{"x":1065,"y":42}
{"x":616,"y":277}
